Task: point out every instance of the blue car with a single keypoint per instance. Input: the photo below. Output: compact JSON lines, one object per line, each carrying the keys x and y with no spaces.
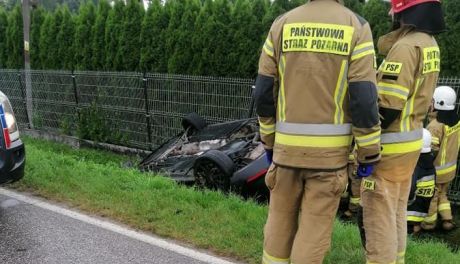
{"x":12,"y":151}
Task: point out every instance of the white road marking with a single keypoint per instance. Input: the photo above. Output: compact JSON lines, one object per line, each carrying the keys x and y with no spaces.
{"x":158,"y":242}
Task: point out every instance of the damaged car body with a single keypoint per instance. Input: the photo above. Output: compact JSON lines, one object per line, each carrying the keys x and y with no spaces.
{"x":226,"y":156}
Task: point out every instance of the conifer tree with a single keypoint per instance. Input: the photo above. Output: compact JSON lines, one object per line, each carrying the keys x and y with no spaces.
{"x":65,"y":38}
{"x":129,"y":52}
{"x":44,"y":41}
{"x":37,"y":19}
{"x":114,"y":27}
{"x":15,"y":39}
{"x":83,"y":36}
{"x":201,"y":40}
{"x":151,"y":38}
{"x":54,"y":61}
{"x":3,"y":46}
{"x":354,"y":5}
{"x":449,"y":41}
{"x":99,"y":44}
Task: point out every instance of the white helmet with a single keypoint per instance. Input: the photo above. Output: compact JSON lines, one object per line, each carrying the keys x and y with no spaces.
{"x":444,"y":98}
{"x":426,"y":141}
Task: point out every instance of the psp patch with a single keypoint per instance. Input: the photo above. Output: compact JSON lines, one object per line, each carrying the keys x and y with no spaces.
{"x":393,"y":68}
{"x":368,"y":185}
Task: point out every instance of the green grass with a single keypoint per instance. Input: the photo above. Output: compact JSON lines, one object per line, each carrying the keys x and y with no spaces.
{"x":95,"y":181}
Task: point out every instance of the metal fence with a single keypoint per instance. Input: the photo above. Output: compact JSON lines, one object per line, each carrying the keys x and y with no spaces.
{"x":130,"y":109}
{"x":134,"y":109}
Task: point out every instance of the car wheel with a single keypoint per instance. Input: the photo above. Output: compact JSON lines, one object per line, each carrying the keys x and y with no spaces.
{"x":193,"y":121}
{"x":213,"y":170}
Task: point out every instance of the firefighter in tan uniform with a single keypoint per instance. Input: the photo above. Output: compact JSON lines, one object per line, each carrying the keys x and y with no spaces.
{"x":406,"y":82}
{"x":315,"y":91}
{"x":445,"y":131}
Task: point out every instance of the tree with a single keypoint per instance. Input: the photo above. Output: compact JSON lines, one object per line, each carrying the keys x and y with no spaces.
{"x":99,"y":35}
{"x":180,"y":40}
{"x":152,"y":38}
{"x":200,"y":42}
{"x":3,"y":44}
{"x":65,"y":38}
{"x":129,"y":52}
{"x":83,"y":36}
{"x":354,"y":5}
{"x":15,"y":39}
{"x":450,"y":57}
{"x":54,"y":61}
{"x":114,"y":27}
{"x":37,"y":19}
{"x":376,"y":13}
{"x":45,"y":40}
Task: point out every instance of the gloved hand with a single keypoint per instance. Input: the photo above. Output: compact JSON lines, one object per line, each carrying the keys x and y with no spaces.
{"x":365,"y":170}
{"x":269,"y":155}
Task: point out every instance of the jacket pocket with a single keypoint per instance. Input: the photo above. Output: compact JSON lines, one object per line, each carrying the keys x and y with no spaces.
{"x":270,"y":178}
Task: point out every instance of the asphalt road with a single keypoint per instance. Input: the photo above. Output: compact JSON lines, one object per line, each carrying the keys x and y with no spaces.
{"x":32,"y":233}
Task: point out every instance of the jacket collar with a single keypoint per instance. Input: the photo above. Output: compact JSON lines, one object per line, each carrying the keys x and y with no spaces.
{"x":387,"y":41}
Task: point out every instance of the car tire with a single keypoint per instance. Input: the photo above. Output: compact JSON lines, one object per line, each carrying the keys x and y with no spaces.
{"x":193,"y":121}
{"x":213,"y":170}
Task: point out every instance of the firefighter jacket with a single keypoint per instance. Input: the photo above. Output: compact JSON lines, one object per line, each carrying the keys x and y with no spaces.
{"x":446,"y":142}
{"x":422,"y":189}
{"x":316,"y":88}
{"x":406,"y":81}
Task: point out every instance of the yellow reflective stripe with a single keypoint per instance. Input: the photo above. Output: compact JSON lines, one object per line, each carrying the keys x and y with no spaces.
{"x":413,"y":218}
{"x":364,"y":45}
{"x":267,"y":259}
{"x":435,"y":140}
{"x":369,"y":139}
{"x":340,"y":92}
{"x":268,"y":48}
{"x":446,"y":170}
{"x":401,"y":148}
{"x":355,"y":200}
{"x":426,"y":184}
{"x":409,"y":108}
{"x":395,"y":94}
{"x":363,"y":54}
{"x":313,"y":141}
{"x":444,"y":207}
{"x":431,"y":219}
{"x":282,"y":96}
{"x":444,"y":147}
{"x":351,"y":157}
{"x":266,"y":129}
{"x":401,"y":258}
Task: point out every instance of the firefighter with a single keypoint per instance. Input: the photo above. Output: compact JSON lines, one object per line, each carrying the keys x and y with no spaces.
{"x":315,"y":91}
{"x":406,"y":82}
{"x":445,"y":129}
{"x":422,"y":187}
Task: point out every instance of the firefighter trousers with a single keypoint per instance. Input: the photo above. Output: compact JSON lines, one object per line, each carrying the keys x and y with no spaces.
{"x":440,"y":204}
{"x":384,"y":229}
{"x":302,"y":209}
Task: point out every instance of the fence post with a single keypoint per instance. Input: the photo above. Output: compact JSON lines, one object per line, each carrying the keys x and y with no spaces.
{"x":147,"y":110}
{"x":253,"y":101}
{"x":29,"y":122}
{"x":76,"y":95}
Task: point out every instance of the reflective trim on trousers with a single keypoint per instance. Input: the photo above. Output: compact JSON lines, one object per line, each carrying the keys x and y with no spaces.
{"x":313,"y":129}
{"x":431,"y":219}
{"x":444,"y":207}
{"x":415,"y":216}
{"x":402,"y":136}
{"x":267,"y":259}
{"x":401,"y":257}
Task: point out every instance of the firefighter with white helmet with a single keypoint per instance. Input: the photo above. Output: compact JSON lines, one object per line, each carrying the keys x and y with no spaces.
{"x":423,"y":186}
{"x":406,"y":82}
{"x":445,"y":130}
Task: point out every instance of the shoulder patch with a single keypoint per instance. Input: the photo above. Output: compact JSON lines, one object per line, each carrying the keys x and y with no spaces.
{"x":393,"y":68}
{"x":361,"y":19}
{"x":368,"y":185}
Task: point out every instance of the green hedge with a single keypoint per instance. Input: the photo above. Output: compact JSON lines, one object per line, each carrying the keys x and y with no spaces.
{"x":198,"y":37}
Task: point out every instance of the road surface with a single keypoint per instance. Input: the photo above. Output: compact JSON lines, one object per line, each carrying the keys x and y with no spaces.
{"x":33,"y":231}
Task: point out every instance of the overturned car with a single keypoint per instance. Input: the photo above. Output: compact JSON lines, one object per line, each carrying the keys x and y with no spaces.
{"x":226,"y":156}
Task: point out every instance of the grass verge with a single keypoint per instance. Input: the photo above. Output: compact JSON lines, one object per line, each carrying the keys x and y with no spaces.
{"x":95,"y":181}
